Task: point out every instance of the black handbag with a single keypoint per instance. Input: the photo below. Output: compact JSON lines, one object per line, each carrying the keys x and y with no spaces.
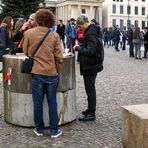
{"x":27,"y":64}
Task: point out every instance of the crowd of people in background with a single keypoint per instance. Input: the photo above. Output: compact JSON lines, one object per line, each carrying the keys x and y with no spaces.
{"x":120,"y":37}
{"x":71,"y":35}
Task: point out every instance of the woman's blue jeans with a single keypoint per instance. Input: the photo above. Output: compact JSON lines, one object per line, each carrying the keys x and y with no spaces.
{"x":45,"y":85}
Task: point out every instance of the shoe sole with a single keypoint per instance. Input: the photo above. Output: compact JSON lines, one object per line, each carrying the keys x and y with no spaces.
{"x":37,"y":133}
{"x":86,"y":120}
{"x":56,"y":136}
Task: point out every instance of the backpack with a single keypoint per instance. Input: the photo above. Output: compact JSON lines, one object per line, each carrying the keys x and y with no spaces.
{"x":80,"y":34}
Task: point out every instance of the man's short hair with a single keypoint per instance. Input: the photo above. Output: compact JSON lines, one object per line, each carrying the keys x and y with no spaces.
{"x":72,"y":19}
{"x":61,"y":21}
{"x":82,"y":20}
{"x":32,"y":16}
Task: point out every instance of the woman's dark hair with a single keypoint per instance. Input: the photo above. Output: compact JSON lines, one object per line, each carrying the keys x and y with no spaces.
{"x":8,"y":20}
{"x":45,"y":17}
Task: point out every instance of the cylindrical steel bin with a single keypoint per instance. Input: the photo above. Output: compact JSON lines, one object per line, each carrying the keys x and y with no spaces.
{"x":18,"y":103}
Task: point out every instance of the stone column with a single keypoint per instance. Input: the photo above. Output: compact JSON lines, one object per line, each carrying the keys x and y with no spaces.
{"x":91,"y":12}
{"x":79,"y":10}
{"x":57,"y":13}
{"x":63,"y":13}
{"x":69,"y":12}
{"x":100,"y":15}
{"x":66,"y":12}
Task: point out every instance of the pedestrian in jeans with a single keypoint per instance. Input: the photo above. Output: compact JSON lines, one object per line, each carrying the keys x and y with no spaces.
{"x":137,"y":41}
{"x":91,"y":56}
{"x":45,"y":71}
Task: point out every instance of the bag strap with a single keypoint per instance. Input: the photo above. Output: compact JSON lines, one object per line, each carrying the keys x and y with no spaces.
{"x":40,"y":43}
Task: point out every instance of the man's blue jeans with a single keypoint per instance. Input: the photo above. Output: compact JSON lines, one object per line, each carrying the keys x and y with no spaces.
{"x":131,"y":49}
{"x":45,"y":85}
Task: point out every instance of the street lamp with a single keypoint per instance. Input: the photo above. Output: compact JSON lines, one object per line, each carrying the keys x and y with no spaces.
{"x":128,"y":13}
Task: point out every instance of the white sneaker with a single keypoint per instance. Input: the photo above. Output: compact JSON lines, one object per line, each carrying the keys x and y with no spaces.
{"x":56,"y":134}
{"x":37,"y":132}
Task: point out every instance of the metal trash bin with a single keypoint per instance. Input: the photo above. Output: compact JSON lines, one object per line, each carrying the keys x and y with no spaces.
{"x":18,"y":103}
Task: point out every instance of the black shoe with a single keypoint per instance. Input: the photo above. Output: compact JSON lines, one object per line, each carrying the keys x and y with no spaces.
{"x":88,"y":117}
{"x":85,"y":112}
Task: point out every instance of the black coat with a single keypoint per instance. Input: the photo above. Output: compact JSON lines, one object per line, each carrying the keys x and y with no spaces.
{"x":146,"y":39}
{"x":91,"y":53}
{"x":3,"y":38}
{"x":61,"y":31}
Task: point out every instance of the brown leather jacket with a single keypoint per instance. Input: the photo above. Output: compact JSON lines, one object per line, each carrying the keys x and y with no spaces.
{"x":48,"y":59}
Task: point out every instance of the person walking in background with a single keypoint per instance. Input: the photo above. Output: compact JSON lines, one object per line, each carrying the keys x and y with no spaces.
{"x":116,"y":34}
{"x":106,"y":37}
{"x":145,"y":42}
{"x":70,"y":32}
{"x":61,"y":31}
{"x":45,"y":71}
{"x":124,"y":38}
{"x":91,"y":56}
{"x":130,"y":41}
{"x":137,"y":41}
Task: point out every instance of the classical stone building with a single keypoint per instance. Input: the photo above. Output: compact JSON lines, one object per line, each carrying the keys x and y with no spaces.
{"x":66,"y":9}
{"x":125,"y":12}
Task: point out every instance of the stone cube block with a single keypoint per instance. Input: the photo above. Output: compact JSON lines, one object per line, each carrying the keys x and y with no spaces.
{"x":135,"y":126}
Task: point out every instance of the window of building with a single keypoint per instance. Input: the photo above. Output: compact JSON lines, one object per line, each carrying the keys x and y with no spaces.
{"x":113,"y":22}
{"x":114,"y":8}
{"x":136,"y":23}
{"x":83,"y":11}
{"x":121,"y":10}
{"x":128,"y":9}
{"x":121,"y":0}
{"x":121,"y":23}
{"x":136,"y":0}
{"x":143,"y":0}
{"x":143,"y":24}
{"x":114,"y":0}
{"x":136,"y":10}
{"x":143,"y":10}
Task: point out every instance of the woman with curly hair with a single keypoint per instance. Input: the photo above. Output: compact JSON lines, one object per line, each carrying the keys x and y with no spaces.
{"x":45,"y":71}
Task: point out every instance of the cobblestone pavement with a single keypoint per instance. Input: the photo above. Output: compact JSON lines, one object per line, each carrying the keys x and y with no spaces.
{"x":124,"y":81}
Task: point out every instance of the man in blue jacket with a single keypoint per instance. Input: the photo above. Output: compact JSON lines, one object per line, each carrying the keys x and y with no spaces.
{"x":91,"y":56}
{"x":70,"y":32}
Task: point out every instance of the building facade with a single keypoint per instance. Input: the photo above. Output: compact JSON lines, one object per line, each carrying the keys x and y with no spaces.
{"x":66,"y":9}
{"x":125,"y":12}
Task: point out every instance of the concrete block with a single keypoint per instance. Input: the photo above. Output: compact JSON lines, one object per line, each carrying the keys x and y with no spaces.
{"x":135,"y":126}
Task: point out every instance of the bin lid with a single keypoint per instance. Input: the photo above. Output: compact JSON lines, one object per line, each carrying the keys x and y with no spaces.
{"x":23,"y":56}
{"x":17,"y":56}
